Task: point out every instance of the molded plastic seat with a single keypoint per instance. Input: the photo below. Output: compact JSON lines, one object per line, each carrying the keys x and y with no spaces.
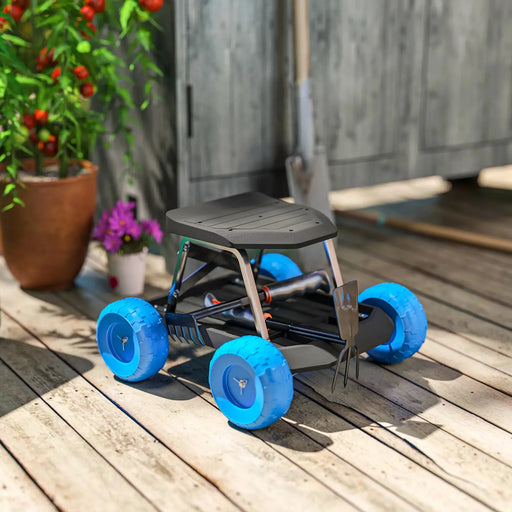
{"x":251,"y":221}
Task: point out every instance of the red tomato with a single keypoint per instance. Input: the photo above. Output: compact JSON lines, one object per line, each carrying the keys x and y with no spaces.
{"x":45,"y":59}
{"x":91,"y":27}
{"x":24,"y":4}
{"x":33,"y":137}
{"x":97,"y":5}
{"x":29,"y":121}
{"x":87,"y":89}
{"x":15,"y":11}
{"x":87,"y":12}
{"x":50,"y":148}
{"x":41,"y":116}
{"x":55,"y":74}
{"x":151,"y":5}
{"x":81,"y":72}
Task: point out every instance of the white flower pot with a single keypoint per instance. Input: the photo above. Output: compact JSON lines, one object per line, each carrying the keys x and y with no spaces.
{"x":126,"y":273}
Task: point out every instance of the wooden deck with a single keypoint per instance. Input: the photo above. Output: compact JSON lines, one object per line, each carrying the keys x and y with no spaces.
{"x":431,"y":433}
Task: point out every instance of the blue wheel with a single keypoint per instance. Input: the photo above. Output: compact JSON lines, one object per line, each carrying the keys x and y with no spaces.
{"x":278,"y":266}
{"x":251,"y":382}
{"x":408,"y":315}
{"x":132,"y":339}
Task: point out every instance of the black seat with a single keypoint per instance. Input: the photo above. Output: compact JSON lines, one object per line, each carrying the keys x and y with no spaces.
{"x":251,"y":221}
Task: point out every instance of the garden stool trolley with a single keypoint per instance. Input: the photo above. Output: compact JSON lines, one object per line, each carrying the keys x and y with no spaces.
{"x":266,"y":319}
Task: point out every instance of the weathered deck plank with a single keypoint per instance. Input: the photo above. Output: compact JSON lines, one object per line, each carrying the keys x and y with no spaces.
{"x":17,"y":489}
{"x":432,"y":432}
{"x":438,"y":447}
{"x":56,"y":457}
{"x":472,"y":433}
{"x":152,"y":469}
{"x":181,"y":419}
{"x":190,"y":372}
{"x":467,"y":267}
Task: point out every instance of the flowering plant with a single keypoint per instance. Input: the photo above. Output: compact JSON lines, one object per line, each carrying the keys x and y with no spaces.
{"x":57,"y":54}
{"x":119,"y":231}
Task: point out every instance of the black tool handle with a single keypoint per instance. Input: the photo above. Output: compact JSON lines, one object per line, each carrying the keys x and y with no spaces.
{"x":297,"y":286}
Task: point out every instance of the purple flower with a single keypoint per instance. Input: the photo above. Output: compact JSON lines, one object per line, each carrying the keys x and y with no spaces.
{"x":119,"y":231}
{"x":125,"y":207}
{"x":133,"y":229}
{"x":112,"y":243}
{"x":119,"y":220}
{"x":101,"y":229}
{"x":153,"y":228}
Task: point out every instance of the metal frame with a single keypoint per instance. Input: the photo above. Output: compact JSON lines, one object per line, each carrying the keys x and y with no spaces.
{"x":187,"y":326}
{"x":245,"y":270}
{"x":247,"y":273}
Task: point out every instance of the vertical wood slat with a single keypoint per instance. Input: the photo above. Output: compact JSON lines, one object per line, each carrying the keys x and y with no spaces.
{"x":208,"y":64}
{"x":354,"y":73}
{"x":235,"y":63}
{"x":468,"y":68}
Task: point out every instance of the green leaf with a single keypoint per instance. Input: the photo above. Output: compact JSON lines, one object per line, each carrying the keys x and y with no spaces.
{"x":3,"y":86}
{"x":12,"y":170}
{"x":8,"y":188}
{"x":44,"y":6}
{"x":144,"y":105}
{"x":26,"y":80}
{"x":103,"y":53}
{"x":45,"y":78}
{"x":50,"y":21}
{"x":17,"y":200}
{"x":130,"y":139}
{"x":125,"y":13}
{"x":15,"y":40}
{"x":59,"y":50}
{"x":8,"y":207}
{"x":144,"y":37}
{"x":153,"y":67}
{"x":83,"y":47}
{"x":126,"y":97}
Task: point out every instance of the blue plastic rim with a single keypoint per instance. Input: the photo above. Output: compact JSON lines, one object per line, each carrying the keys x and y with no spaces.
{"x":241,"y":385}
{"x":132,"y":339}
{"x":278,"y":266}
{"x":251,"y":382}
{"x":117,"y":345}
{"x":238,"y":390}
{"x":408,"y":316}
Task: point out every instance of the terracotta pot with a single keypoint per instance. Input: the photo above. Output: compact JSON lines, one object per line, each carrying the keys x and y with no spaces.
{"x":45,"y":243}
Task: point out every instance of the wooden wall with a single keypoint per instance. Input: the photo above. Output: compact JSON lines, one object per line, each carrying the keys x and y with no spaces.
{"x":401,"y":88}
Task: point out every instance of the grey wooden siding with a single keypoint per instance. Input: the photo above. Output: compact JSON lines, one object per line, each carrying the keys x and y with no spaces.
{"x":468,"y":70}
{"x":401,"y":88}
{"x":236,"y":76}
{"x":353,"y":41}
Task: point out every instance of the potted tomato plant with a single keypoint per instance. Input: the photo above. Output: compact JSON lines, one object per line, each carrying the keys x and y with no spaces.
{"x":59,"y":57}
